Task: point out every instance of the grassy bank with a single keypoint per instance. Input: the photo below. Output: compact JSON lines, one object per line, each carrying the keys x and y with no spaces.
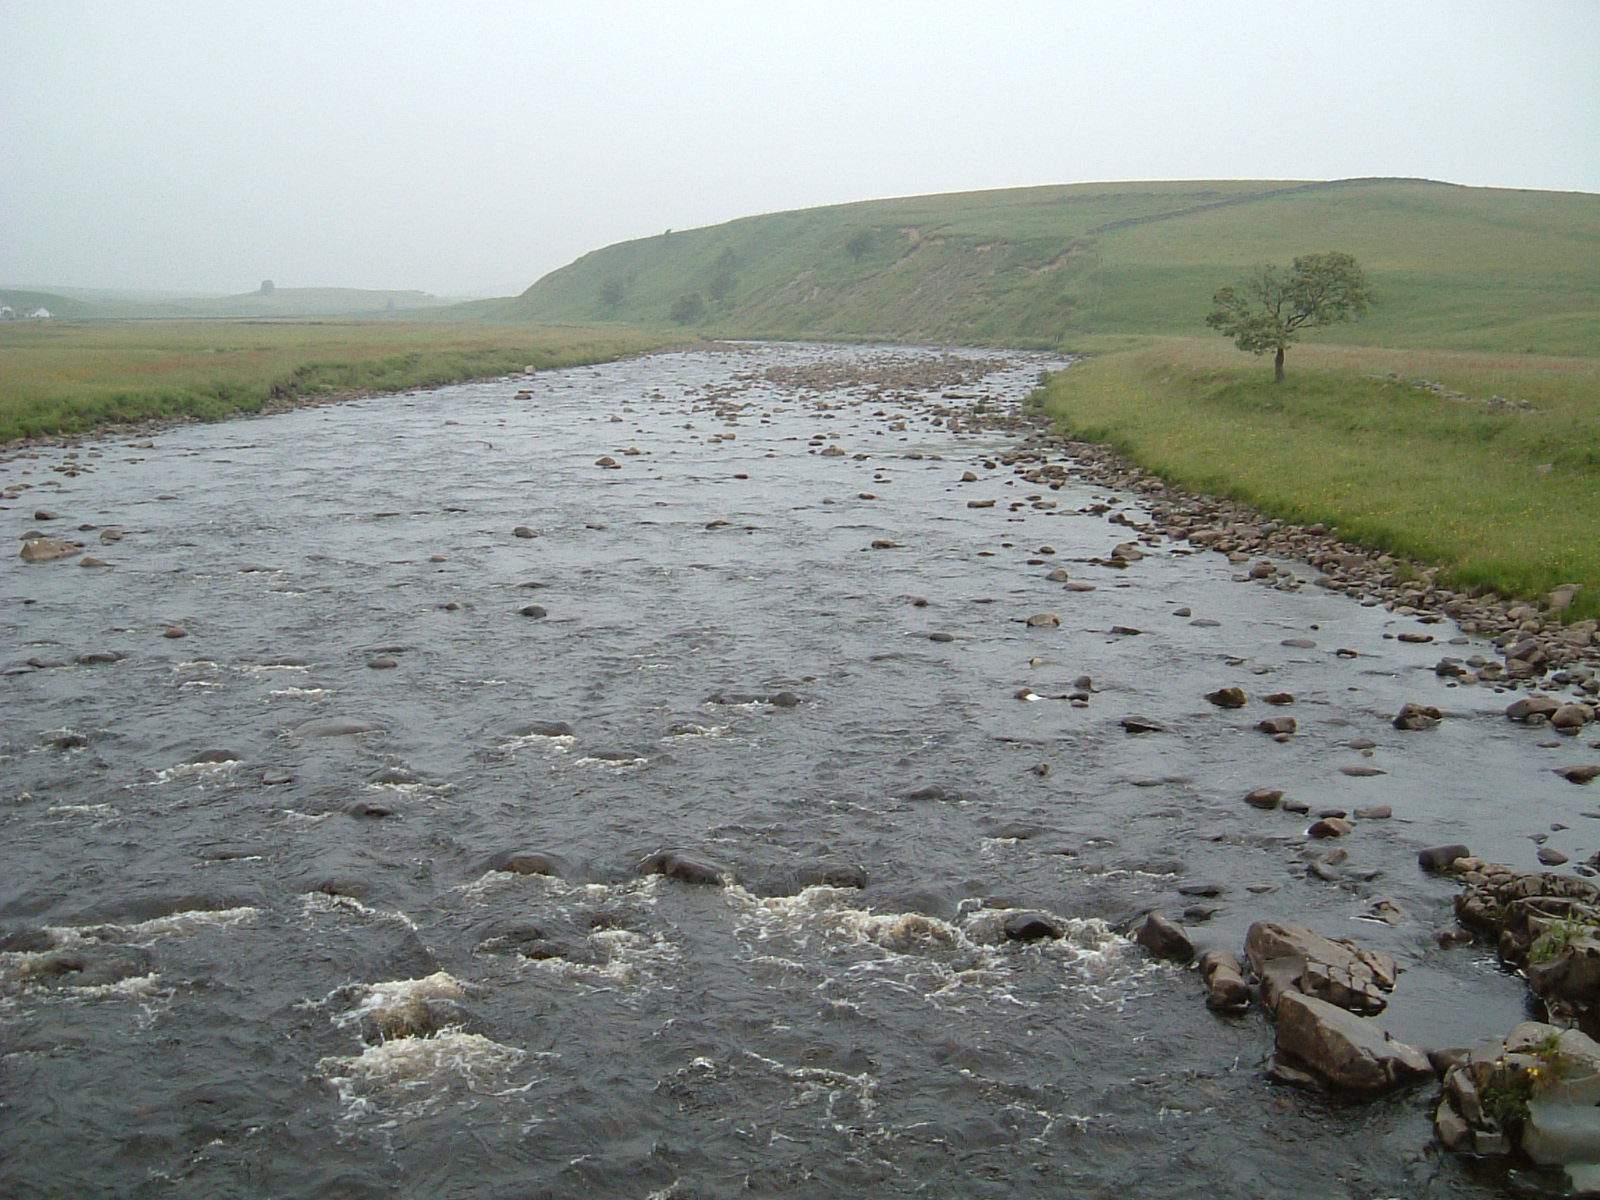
{"x":61,"y":377}
{"x":1505,"y":498}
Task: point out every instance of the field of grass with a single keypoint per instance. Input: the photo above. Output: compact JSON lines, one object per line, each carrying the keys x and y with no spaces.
{"x":1506,"y":499}
{"x":1465,"y":268}
{"x":67,"y":377}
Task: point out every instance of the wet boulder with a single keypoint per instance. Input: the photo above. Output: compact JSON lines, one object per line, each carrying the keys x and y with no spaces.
{"x":43,"y":549}
{"x":1031,"y":926}
{"x":1164,"y":938}
{"x":835,"y":875}
{"x":687,"y":867}
{"x":1291,"y":959}
{"x":1439,"y":858}
{"x":416,"y":1016}
{"x":1350,"y":1053}
{"x":548,"y":729}
{"x":1226,"y":988}
{"x":1417,"y":716}
{"x":87,"y":965}
{"x":1228,"y":697}
{"x":327,"y":727}
{"x":1134,"y":724}
{"x":1572,"y":717}
{"x":530,"y":862}
{"x":1533,"y":708}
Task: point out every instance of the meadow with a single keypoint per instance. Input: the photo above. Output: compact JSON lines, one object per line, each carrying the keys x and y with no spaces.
{"x":1402,"y":450}
{"x":69,"y":377}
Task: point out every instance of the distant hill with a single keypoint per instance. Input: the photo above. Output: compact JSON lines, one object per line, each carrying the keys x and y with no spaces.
{"x":1455,"y":267}
{"x":280,"y":302}
{"x":26,"y":300}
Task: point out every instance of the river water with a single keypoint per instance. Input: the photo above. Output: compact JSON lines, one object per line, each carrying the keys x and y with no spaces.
{"x":240,"y":864}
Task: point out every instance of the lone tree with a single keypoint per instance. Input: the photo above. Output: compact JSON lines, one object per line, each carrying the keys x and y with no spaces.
{"x":860,"y":242}
{"x":1268,"y":310}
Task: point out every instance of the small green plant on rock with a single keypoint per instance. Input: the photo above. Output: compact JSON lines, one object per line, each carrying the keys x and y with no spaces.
{"x":1558,"y":938}
{"x":1505,"y":1094}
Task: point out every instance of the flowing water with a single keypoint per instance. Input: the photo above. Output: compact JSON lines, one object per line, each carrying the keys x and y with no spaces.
{"x":240,"y":866}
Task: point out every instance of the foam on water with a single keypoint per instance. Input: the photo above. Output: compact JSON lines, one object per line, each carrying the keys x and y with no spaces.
{"x":193,"y":770}
{"x":943,"y":959}
{"x":407,"y":1077}
{"x":82,"y":810}
{"x":147,"y":933}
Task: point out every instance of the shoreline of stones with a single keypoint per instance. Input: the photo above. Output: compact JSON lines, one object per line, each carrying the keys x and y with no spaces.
{"x":1535,"y":646}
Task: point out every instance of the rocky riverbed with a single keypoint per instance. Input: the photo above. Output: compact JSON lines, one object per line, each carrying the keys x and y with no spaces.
{"x":742,"y":772}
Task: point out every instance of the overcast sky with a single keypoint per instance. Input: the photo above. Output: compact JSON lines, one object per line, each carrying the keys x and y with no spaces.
{"x":469,"y":147}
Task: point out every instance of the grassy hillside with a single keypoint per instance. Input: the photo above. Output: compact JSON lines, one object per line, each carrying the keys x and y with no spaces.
{"x":1471,"y":268}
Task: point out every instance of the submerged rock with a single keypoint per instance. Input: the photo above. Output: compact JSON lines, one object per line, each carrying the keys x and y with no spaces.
{"x":530,"y":862}
{"x":43,"y":549}
{"x":687,"y":867}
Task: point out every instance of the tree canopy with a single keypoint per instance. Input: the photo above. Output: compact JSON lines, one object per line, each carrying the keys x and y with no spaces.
{"x":1269,"y":309}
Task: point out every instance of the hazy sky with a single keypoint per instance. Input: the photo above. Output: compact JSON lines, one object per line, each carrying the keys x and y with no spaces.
{"x":470,"y":146}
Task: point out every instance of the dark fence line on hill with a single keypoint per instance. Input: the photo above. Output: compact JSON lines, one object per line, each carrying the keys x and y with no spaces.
{"x":1253,"y":198}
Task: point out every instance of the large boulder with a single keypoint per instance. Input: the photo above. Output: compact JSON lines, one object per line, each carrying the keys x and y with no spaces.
{"x":1290,"y":959}
{"x":1352,"y":1054}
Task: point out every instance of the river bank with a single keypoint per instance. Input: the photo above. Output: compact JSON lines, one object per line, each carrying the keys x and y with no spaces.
{"x":77,"y":377}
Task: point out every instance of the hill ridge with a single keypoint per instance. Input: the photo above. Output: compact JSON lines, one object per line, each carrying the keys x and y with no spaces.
{"x":1454,"y":266}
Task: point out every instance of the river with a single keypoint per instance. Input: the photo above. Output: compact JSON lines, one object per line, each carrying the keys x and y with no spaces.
{"x":260,"y":772}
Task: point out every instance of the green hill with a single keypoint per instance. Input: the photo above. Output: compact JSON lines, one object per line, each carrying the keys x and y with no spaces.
{"x":1454,"y":267}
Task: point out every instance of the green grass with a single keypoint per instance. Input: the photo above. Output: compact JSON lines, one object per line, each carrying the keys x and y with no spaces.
{"x":1504,"y":501}
{"x":68,"y":377}
{"x":1456,"y":267}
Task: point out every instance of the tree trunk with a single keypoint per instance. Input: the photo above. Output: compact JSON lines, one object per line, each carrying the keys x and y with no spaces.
{"x":1277,"y":366}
